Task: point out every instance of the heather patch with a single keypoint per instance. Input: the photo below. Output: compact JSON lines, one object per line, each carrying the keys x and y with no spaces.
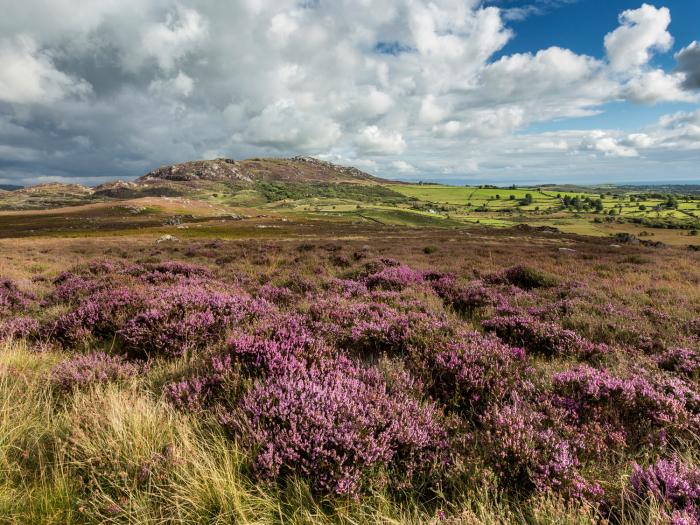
{"x":336,"y":423}
{"x":542,"y":337}
{"x":85,"y":370}
{"x":673,"y":484}
{"x":12,"y":298}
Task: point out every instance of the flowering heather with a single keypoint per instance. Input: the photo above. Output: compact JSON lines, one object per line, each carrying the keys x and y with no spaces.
{"x":335,"y":423}
{"x":194,"y":394}
{"x":169,"y":272}
{"x":70,"y":288}
{"x":684,"y":361}
{"x":541,"y":337}
{"x":85,"y":370}
{"x":371,"y":327}
{"x":275,"y":340}
{"x":12,"y":299}
{"x":528,"y":451}
{"x":347,"y":288}
{"x":467,"y":298}
{"x":674,"y":484}
{"x":18,"y":327}
{"x":470,"y":372}
{"x":278,"y":295}
{"x":394,"y":277}
{"x":182,"y":318}
{"x":100,"y":315}
{"x":523,"y":277}
{"x":629,"y":412}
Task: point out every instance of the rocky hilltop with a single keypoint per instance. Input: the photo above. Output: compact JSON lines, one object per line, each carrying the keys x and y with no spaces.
{"x":199,"y":178}
{"x":296,"y":169}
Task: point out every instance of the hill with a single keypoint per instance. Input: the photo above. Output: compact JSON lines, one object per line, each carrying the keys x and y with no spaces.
{"x":258,"y":179}
{"x":296,"y":169}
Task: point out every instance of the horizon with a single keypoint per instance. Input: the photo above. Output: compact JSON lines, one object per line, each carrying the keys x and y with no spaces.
{"x":495,"y":92}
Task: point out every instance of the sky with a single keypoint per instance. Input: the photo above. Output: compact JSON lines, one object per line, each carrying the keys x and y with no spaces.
{"x":460,"y":91}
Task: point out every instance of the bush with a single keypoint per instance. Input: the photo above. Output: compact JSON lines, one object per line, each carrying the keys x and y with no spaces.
{"x":524,"y":277}
{"x":471,"y":371}
{"x":336,"y":424}
{"x":673,"y":484}
{"x":12,"y":299}
{"x":542,"y":337}
{"x":626,"y":412}
{"x":85,"y":370}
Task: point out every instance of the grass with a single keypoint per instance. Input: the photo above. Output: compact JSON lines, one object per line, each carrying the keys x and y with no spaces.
{"x":77,"y":460}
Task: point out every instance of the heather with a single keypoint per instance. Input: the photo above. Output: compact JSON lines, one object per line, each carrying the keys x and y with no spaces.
{"x":322,"y":384}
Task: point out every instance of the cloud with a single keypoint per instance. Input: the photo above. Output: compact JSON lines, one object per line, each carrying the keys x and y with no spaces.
{"x":688,"y":60}
{"x":171,"y":40}
{"x":28,"y":74}
{"x":113,"y":88}
{"x":403,"y":167}
{"x":284,"y":127}
{"x":641,"y":32}
{"x":656,"y":85}
{"x":374,"y":141}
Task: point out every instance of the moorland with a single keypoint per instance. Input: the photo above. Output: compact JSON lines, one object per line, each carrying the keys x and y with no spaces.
{"x":288,"y":341}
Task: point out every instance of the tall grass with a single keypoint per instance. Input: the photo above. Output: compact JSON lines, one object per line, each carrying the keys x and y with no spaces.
{"x":119,"y":454}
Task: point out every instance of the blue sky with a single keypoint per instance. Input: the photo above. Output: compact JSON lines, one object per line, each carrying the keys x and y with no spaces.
{"x":507,"y":91}
{"x":577,"y":25}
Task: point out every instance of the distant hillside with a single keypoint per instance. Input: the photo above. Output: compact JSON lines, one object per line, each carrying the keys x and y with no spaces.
{"x":10,"y":187}
{"x":42,"y":196}
{"x":297,"y":169}
{"x":253,"y":180}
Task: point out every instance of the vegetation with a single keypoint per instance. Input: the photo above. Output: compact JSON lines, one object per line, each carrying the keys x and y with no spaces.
{"x":324,"y":380}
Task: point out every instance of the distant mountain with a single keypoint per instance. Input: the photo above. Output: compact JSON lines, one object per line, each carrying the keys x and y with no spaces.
{"x":10,"y":187}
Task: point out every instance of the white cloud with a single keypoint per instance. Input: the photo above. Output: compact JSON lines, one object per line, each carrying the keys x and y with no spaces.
{"x":358,"y":81}
{"x":603,"y":142}
{"x":180,"y":85}
{"x":657,"y":86}
{"x":374,"y":141}
{"x":641,"y":32}
{"x":283,"y":126}
{"x":403,"y":167}
{"x":28,"y":75}
{"x":179,"y":34}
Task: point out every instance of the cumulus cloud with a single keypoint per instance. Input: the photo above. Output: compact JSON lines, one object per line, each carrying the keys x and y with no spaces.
{"x":28,"y":74}
{"x":374,"y":141}
{"x":126,"y":85}
{"x":657,"y":85}
{"x":641,"y":32}
{"x":689,"y":65}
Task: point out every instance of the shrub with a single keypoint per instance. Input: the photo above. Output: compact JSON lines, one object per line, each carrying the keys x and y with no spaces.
{"x":528,"y":450}
{"x":685,"y":361}
{"x":470,"y":372}
{"x":672,"y":483}
{"x":467,"y":298}
{"x":100,"y":315}
{"x":627,"y":412}
{"x":19,"y":328}
{"x":393,"y":277}
{"x":542,"y":337}
{"x":334,"y":423}
{"x":12,"y":299}
{"x":85,"y":370}
{"x":524,"y":277}
{"x":183,"y":318}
